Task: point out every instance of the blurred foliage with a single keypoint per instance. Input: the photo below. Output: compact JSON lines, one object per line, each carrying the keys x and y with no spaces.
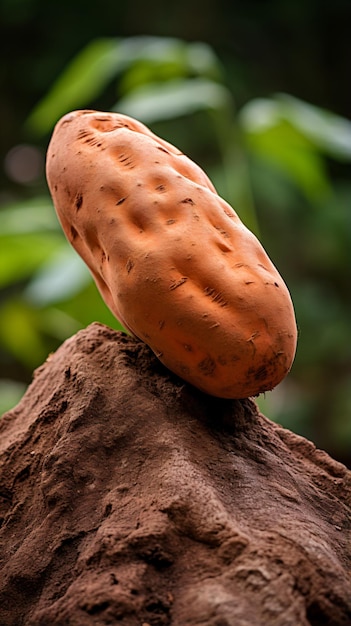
{"x":274,"y":160}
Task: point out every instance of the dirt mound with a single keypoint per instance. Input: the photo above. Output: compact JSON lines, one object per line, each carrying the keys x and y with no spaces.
{"x":128,"y":497}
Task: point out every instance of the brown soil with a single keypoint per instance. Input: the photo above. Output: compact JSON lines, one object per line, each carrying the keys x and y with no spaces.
{"x":128,"y":497}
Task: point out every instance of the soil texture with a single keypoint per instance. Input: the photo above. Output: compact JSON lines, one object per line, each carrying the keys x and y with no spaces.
{"x":128,"y":497}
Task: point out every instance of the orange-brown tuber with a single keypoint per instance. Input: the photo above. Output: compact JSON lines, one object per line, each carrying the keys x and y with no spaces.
{"x":171,"y":258}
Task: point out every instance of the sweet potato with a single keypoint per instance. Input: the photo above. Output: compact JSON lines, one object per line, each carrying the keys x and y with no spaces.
{"x":171,"y":258}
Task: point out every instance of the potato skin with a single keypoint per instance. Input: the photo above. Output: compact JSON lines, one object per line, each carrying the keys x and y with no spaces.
{"x":172,"y":260}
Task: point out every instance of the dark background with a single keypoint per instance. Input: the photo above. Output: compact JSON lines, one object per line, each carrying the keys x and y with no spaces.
{"x":301,"y":47}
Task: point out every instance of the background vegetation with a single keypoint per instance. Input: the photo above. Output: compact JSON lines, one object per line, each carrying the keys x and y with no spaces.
{"x":256,"y":93}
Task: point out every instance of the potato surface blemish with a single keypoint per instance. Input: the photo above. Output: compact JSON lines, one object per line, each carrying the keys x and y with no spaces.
{"x":171,"y":259}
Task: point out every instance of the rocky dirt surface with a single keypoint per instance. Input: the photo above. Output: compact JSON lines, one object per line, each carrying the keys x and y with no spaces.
{"x":128,"y":497}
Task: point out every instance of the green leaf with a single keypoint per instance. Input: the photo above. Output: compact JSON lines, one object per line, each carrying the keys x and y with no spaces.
{"x":19,"y":333}
{"x":161,"y":101}
{"x":87,"y":307}
{"x":82,"y":80}
{"x":11,"y":392}
{"x":292,"y":153}
{"x":203,"y":61}
{"x":331,"y":133}
{"x":21,"y":255}
{"x":57,"y":324}
{"x":168,"y":59}
{"x":64,"y":275}
{"x":146,"y":72}
{"x":30,"y":216}
{"x":103,"y":59}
